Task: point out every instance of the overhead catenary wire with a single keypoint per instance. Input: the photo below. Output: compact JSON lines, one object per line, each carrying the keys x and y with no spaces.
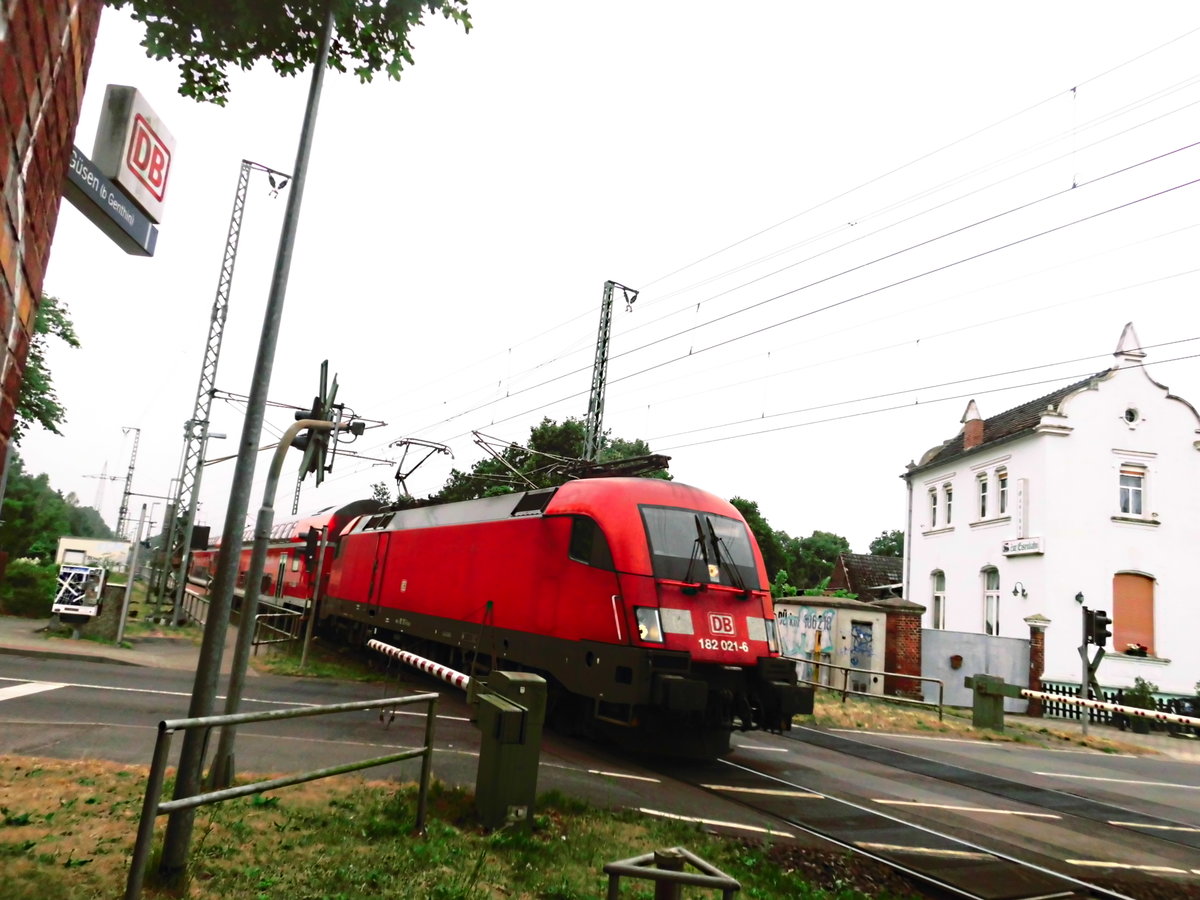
{"x":829,"y":306}
{"x":1072,"y":91}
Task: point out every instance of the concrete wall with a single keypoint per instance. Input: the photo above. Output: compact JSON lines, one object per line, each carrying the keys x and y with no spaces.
{"x":981,"y":655}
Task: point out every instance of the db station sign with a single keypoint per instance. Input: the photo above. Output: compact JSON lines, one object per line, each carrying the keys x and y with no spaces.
{"x":123,"y":187}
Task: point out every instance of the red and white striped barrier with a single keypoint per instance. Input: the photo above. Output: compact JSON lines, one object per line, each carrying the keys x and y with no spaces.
{"x":1134,"y":711}
{"x":428,"y":666}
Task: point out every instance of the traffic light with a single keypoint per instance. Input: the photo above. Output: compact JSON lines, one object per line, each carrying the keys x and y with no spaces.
{"x":1097,"y":626}
{"x":315,"y":444}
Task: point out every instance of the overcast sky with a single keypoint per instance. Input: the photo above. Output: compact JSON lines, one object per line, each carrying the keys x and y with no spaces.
{"x":838,"y":215}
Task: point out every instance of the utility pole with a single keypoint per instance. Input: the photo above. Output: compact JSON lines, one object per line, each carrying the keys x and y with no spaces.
{"x":594,"y":435}
{"x":178,"y":836}
{"x":123,"y":515}
{"x":195,"y":429}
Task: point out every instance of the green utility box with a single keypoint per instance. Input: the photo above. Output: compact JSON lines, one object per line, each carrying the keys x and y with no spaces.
{"x":511,"y":710}
{"x":989,"y":693}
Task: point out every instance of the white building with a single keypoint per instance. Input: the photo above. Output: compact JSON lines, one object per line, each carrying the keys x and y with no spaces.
{"x":1088,"y":496}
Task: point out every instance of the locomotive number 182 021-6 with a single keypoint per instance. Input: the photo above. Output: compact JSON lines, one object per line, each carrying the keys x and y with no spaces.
{"x":713,"y":644}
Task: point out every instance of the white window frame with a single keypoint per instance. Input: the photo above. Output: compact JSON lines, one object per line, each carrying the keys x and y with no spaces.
{"x":948,"y":496}
{"x":991,"y":600}
{"x":981,"y":502}
{"x":1131,"y":498}
{"x":1002,"y":491}
{"x":937,"y":582}
{"x":933,"y":508}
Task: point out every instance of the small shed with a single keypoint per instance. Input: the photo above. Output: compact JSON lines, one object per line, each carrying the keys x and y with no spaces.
{"x":847,"y":635}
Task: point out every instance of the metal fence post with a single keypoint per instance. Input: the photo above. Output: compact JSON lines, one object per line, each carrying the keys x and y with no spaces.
{"x":145,"y":834}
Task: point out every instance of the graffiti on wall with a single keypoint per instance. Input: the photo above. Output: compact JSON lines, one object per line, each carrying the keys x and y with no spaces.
{"x":806,"y":632}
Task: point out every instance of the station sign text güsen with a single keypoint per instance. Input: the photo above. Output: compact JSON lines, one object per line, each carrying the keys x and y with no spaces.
{"x":1023,"y":546}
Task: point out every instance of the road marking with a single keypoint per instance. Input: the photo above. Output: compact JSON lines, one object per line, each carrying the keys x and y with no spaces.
{"x":972,"y":809}
{"x":766,"y":791}
{"x":1164,"y":784}
{"x":1101,"y":864}
{"x":623,"y":775}
{"x":1156,"y":827}
{"x":991,"y":745}
{"x":29,"y":687}
{"x":667,"y":815}
{"x":927,"y":851}
{"x":760,"y":747}
{"x":129,"y":690}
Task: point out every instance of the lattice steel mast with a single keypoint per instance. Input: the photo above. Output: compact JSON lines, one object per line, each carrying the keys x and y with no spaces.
{"x":123,"y":515}
{"x":195,"y":429}
{"x":594,"y":434}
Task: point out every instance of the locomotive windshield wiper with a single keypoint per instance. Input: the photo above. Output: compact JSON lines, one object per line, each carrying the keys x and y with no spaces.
{"x":699,"y":547}
{"x":722,"y":559}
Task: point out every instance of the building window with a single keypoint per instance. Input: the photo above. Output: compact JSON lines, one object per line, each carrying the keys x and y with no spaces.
{"x":1133,"y":484}
{"x":1002,"y":491}
{"x":938,"y":607}
{"x":948,"y":490}
{"x":983,"y":498}
{"x":1133,"y":613}
{"x":991,"y":600}
{"x":933,"y":507}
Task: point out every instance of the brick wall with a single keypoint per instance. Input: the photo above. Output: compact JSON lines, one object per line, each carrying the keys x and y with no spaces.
{"x":903,"y":654}
{"x":45,"y":49}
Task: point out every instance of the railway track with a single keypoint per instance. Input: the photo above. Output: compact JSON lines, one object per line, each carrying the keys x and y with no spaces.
{"x":937,"y":862}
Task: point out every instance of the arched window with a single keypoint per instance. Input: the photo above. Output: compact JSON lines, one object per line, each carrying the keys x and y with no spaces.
{"x":1133,"y":612}
{"x":991,"y":600}
{"x":938,"y":607}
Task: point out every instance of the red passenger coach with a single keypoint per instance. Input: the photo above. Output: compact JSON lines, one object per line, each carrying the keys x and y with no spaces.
{"x":289,"y":575}
{"x":644,"y":602}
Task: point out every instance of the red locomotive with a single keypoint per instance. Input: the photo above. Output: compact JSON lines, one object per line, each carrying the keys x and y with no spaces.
{"x":643,"y":602}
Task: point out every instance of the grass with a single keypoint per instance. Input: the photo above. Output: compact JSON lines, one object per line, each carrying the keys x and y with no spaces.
{"x":66,"y":831}
{"x":325,"y":660}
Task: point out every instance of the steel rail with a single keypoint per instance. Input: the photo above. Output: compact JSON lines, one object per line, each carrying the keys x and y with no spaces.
{"x":924,"y":877}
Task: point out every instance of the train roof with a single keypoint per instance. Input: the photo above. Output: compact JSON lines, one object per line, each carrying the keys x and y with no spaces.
{"x":595,"y":497}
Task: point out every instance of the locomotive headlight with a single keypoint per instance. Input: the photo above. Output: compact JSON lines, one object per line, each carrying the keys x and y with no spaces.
{"x":649,"y":624}
{"x":772,"y":637}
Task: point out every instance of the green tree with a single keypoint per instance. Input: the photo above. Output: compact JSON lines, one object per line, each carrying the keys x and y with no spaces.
{"x":768,"y":541}
{"x":381,"y":492}
{"x":814,"y":557}
{"x":207,"y":37}
{"x":35,"y":516}
{"x":37,"y":402}
{"x":889,"y":543}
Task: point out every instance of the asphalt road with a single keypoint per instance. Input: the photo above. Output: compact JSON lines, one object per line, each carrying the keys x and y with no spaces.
{"x":71,"y":709}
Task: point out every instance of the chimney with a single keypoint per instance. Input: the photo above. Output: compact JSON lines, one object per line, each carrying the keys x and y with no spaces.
{"x":972,"y":427}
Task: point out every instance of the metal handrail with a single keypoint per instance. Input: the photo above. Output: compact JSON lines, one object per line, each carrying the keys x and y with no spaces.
{"x":153,"y":806}
{"x":845,"y":688}
{"x":668,"y":874}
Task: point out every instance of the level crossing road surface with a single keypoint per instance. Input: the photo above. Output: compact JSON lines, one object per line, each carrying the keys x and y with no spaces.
{"x":1056,"y":807}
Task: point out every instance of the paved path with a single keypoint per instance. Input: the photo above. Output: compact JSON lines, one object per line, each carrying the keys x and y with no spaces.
{"x":24,"y":637}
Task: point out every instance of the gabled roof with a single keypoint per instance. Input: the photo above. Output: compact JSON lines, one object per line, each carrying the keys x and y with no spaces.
{"x":1012,"y":423}
{"x":866,"y":575}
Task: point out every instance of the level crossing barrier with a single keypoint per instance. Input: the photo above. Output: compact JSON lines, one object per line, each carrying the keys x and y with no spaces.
{"x":510,"y":708}
{"x":990,"y":690}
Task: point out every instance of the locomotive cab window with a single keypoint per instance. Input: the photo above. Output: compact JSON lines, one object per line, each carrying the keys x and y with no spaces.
{"x":588,"y":544}
{"x":700,"y":547}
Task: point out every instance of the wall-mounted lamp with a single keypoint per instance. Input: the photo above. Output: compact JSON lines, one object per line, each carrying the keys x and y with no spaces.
{"x":1079,"y":598}
{"x":1019,"y":590}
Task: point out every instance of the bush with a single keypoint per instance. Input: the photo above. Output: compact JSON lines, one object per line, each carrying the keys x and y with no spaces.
{"x":28,"y":589}
{"x":1141,"y":695}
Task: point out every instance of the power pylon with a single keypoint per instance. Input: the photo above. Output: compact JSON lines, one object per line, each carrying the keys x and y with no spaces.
{"x":195,"y":429}
{"x":123,"y":515}
{"x":594,"y":435}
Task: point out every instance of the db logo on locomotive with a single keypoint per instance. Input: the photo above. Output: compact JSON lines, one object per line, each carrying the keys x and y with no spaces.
{"x":718,"y":623}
